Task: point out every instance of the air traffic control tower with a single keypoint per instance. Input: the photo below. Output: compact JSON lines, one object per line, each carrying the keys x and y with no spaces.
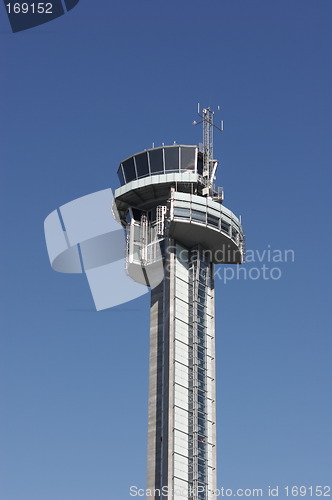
{"x":175,"y":221}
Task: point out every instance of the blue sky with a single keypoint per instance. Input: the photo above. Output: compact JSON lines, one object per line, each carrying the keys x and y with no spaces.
{"x":87,"y":90}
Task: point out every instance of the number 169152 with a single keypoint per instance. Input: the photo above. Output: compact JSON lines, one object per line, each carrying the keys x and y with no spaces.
{"x":29,"y":8}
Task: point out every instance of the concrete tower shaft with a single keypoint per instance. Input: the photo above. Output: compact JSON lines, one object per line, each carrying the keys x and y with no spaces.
{"x":176,"y":232}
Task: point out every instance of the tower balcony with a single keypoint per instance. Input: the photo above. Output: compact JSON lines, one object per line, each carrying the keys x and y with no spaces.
{"x":195,"y":220}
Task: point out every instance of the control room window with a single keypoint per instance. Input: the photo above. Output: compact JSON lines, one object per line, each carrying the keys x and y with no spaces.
{"x":200,"y":216}
{"x":156,"y":161}
{"x":200,"y":163}
{"x":188,"y":158}
{"x":129,"y":169}
{"x":120,"y":175}
{"x":142,"y":165}
{"x":172,"y":159}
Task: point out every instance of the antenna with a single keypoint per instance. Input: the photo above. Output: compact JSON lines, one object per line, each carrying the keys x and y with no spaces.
{"x":209,"y":164}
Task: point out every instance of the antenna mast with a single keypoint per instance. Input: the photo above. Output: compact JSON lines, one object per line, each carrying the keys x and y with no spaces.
{"x":209,"y":164}
{"x":207,"y":141}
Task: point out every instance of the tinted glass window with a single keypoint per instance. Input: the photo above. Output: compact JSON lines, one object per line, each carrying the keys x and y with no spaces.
{"x":137,"y":233}
{"x":224,"y":226}
{"x":200,"y":332}
{"x":214,"y":221}
{"x":201,"y":469}
{"x":201,"y":443}
{"x":152,"y":215}
{"x":156,"y":160}
{"x":181,"y":212}
{"x":129,"y":169}
{"x":201,"y":430}
{"x":188,"y":158}
{"x":201,"y":393}
{"x":136,"y":252}
{"x":201,"y":354}
{"x":201,"y":422}
{"x":201,"y":320}
{"x":201,"y":406}
{"x":200,"y":299}
{"x":142,"y":166}
{"x":120,"y":175}
{"x":200,"y":312}
{"x":201,"y":341}
{"x":195,"y":214}
{"x":137,"y":214}
{"x":200,"y":164}
{"x":172,"y":159}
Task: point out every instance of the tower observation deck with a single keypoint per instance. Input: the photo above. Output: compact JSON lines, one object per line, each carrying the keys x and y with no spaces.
{"x":176,"y":223}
